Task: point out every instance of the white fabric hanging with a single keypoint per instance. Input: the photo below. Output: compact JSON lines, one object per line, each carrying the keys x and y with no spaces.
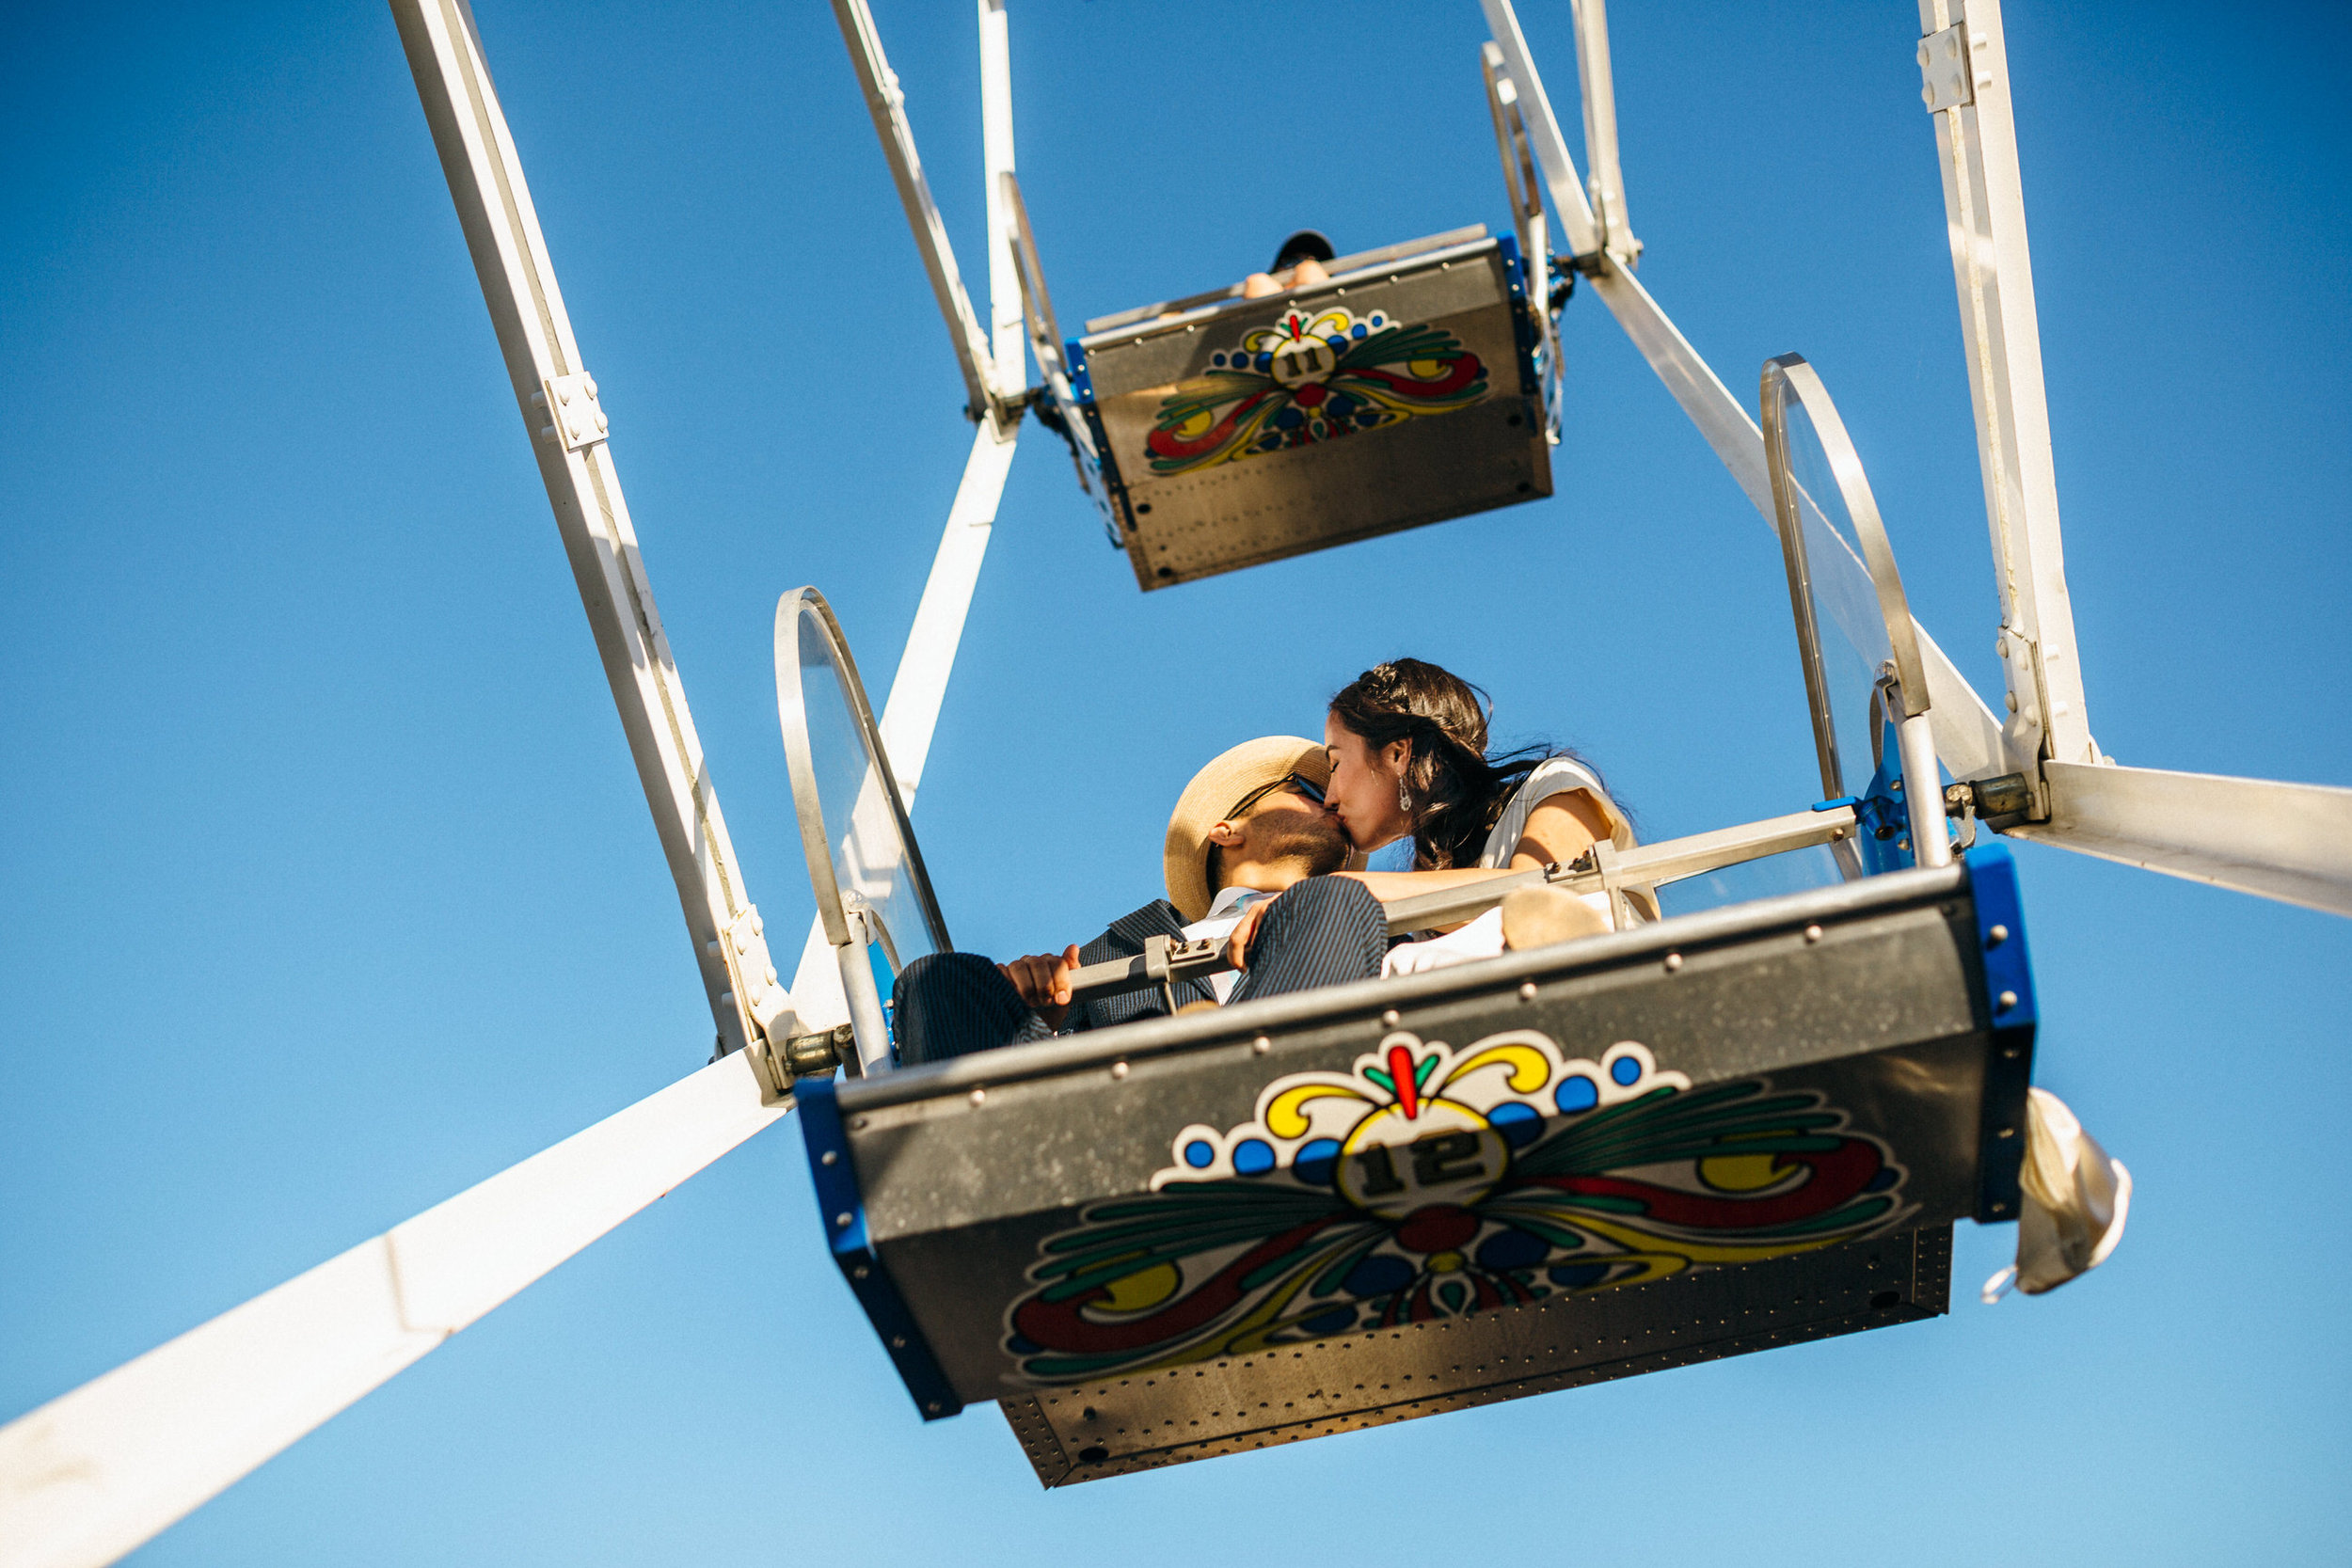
{"x":2077,"y":1198}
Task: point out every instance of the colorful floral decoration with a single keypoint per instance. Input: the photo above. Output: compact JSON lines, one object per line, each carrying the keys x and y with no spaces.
{"x":1427,"y":1185}
{"x":1311,"y":378}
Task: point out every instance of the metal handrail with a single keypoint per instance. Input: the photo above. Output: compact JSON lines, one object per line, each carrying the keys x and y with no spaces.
{"x":1166,"y":961}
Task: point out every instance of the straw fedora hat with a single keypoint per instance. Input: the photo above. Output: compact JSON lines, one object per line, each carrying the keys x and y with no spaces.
{"x":1213,"y":794}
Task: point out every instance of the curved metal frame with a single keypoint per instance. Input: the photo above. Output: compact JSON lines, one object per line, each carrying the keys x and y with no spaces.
{"x":791,"y":705}
{"x":1790,"y":374}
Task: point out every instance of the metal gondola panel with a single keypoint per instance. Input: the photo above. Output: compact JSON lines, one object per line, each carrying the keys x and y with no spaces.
{"x":1713,"y":1135}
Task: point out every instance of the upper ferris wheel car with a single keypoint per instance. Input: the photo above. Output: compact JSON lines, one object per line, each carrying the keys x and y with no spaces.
{"x":1416,"y":381}
{"x":1229,"y":431}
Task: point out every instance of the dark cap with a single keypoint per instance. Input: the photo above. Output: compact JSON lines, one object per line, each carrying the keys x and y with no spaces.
{"x":1306,"y":242}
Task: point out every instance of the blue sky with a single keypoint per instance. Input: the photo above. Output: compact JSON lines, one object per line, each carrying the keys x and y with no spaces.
{"x":329,"y":890}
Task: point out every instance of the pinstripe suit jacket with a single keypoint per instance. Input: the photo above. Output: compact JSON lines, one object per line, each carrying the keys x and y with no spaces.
{"x":1124,"y":939}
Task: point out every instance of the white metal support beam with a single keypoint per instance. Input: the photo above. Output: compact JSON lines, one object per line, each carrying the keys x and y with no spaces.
{"x":1004,"y":281}
{"x":887,"y":103}
{"x":1964,"y":62}
{"x":567,"y":426}
{"x":1607,"y":179}
{"x":1968,"y":736}
{"x":96,"y":1472}
{"x":920,"y":687}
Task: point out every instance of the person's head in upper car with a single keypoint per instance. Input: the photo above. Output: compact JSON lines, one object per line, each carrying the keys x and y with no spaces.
{"x":1299,"y":262}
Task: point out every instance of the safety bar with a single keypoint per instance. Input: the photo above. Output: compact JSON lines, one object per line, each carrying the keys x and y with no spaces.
{"x":1166,"y":962}
{"x":1359,"y":261}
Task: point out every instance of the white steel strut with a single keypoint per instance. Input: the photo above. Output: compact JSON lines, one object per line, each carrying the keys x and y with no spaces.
{"x":1968,"y":736}
{"x":910,"y":712}
{"x":96,"y":1472}
{"x":568,"y":430}
{"x":1963,"y":66}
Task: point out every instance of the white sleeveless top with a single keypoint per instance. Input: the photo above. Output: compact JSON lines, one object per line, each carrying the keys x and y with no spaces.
{"x":1553,"y":776}
{"x":1482,"y":937}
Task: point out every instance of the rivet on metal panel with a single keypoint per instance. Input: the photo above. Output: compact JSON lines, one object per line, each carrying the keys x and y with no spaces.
{"x":1997,"y":936}
{"x":1527,"y":990}
{"x":828,"y":1157}
{"x":712,"y":947}
{"x":2000,"y":1208}
{"x":857,"y":1124}
{"x":842,"y":1219}
{"x":860,"y":1272}
{"x":898,"y":1341}
{"x":1812,"y":933}
{"x":1391,"y":1017}
{"x":1119,"y":1069}
{"x":932,"y":1407}
{"x":980,"y":1097}
{"x":2008,"y":1000}
{"x":1674,"y":961}
{"x":2007,"y":1133}
{"x":1261,"y":1045}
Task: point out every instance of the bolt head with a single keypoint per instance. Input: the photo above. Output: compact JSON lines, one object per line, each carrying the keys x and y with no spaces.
{"x":2008,"y":1000}
{"x":1812,"y":933}
{"x":828,"y":1157}
{"x":1997,"y":936}
{"x":1674,"y":961}
{"x":842,"y":1219}
{"x":1261,"y":1045}
{"x":1391,"y":1017}
{"x":980,"y":1097}
{"x":1119,"y":1069}
{"x":1527,"y":990}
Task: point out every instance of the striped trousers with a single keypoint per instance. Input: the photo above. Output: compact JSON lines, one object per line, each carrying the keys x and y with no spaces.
{"x":1321,"y":932}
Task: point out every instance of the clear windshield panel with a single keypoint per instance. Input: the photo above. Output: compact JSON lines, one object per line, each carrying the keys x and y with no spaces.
{"x":872,"y":864}
{"x":1768,"y":876}
{"x":1847,"y":623}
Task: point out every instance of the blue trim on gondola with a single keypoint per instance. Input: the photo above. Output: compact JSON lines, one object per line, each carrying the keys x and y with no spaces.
{"x":841,"y":1209}
{"x":1121,"y":520}
{"x":2009,"y":999}
{"x":1523,"y":324}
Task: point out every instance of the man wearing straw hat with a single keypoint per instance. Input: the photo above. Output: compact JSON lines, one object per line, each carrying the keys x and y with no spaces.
{"x":1251,"y":827}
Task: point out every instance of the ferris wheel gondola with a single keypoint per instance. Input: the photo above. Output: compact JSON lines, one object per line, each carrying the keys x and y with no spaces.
{"x":1752,"y":1122}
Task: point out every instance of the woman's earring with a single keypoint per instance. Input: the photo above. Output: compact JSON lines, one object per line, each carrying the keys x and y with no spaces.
{"x":1404,"y":798}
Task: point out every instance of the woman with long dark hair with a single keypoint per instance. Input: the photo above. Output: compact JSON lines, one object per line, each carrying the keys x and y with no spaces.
{"x":1407,"y":742}
{"x":1407,"y":745}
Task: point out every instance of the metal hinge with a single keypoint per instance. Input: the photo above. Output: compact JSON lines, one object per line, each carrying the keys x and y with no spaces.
{"x":576,"y":418}
{"x":1947,"y":71}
